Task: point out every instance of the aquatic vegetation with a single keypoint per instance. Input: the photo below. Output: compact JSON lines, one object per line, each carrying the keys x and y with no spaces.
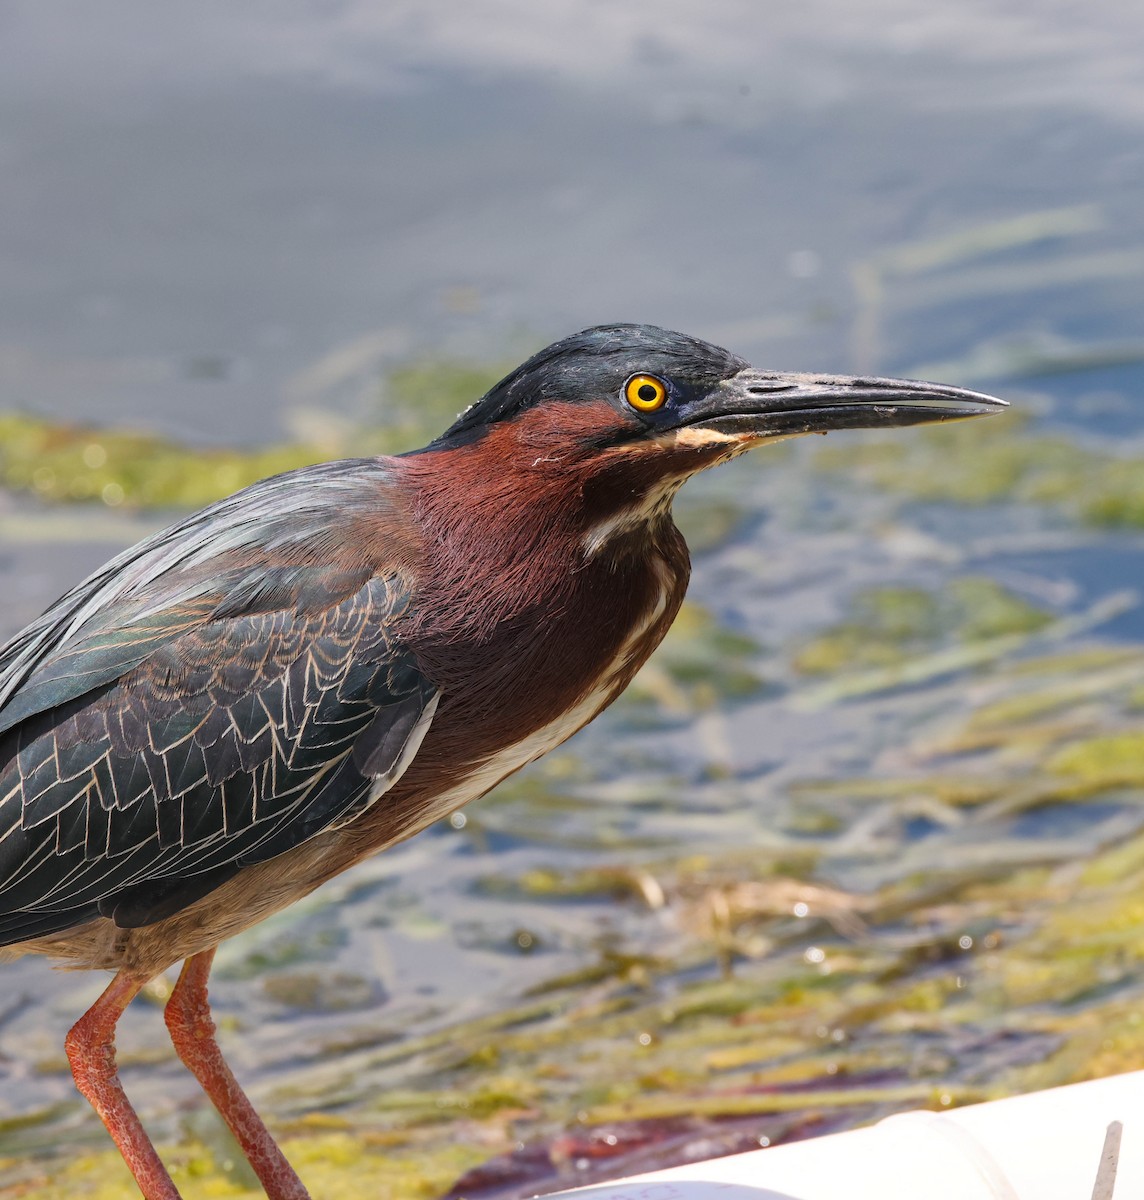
{"x":320,"y":991}
{"x":779,"y":1002}
{"x":338,"y":1163}
{"x":60,"y":462}
{"x":1008,"y":460}
{"x":892,"y":624}
{"x":972,"y":463}
{"x":698,"y":665}
{"x":709,"y":515}
{"x":947,"y":911}
{"x":421,"y":398}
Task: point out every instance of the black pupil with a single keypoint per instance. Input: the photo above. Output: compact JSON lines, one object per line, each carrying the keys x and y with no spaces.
{"x":647,"y":393}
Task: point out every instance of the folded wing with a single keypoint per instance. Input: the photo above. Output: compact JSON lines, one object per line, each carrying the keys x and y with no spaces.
{"x":211,"y":699}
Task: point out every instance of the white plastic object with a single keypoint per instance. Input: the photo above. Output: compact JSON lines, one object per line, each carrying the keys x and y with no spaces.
{"x":1081,"y":1142}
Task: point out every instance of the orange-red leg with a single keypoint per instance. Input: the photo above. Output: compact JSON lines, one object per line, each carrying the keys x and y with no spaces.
{"x":90,"y":1048}
{"x":188,"y":1018}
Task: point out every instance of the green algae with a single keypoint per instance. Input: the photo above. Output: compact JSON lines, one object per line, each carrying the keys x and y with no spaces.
{"x":117,"y":468}
{"x":893,"y":624}
{"x":1006,"y":967}
{"x":975,"y":463}
{"x":318,"y":991}
{"x":708,"y":521}
{"x":277,"y":947}
{"x":61,"y":462}
{"x":1001,"y":460}
{"x":1102,"y":763}
{"x":700,"y":664}
{"x":332,"y":1163}
{"x":420,"y":399}
{"x":964,"y":791}
{"x":819,"y":1023}
{"x":548,"y":883}
{"x":925,"y":665}
{"x":967,"y":983}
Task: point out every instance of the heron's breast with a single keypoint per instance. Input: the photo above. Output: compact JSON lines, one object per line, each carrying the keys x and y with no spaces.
{"x":538,"y":692}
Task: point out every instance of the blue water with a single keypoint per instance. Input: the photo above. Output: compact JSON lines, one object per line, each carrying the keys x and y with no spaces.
{"x":223,"y":221}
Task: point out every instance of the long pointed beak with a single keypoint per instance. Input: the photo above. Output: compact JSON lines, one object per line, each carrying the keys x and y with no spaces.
{"x":766,"y":404}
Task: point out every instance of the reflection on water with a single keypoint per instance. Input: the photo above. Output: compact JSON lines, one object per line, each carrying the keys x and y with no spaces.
{"x":867,"y":833}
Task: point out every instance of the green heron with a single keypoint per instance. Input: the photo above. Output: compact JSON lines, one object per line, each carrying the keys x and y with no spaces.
{"x":251,"y":701}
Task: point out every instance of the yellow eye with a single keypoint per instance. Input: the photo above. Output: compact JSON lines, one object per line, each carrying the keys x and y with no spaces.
{"x":645,"y":393}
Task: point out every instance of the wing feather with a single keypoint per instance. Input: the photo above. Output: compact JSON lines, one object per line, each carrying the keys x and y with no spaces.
{"x":198,"y":706}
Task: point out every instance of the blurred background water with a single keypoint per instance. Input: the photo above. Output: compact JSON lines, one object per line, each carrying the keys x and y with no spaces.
{"x":898,"y":736}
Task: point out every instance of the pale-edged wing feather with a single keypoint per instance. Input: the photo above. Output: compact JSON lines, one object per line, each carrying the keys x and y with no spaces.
{"x":211,"y":698}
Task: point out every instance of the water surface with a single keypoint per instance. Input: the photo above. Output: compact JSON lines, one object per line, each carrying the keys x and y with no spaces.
{"x":230,"y":226}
